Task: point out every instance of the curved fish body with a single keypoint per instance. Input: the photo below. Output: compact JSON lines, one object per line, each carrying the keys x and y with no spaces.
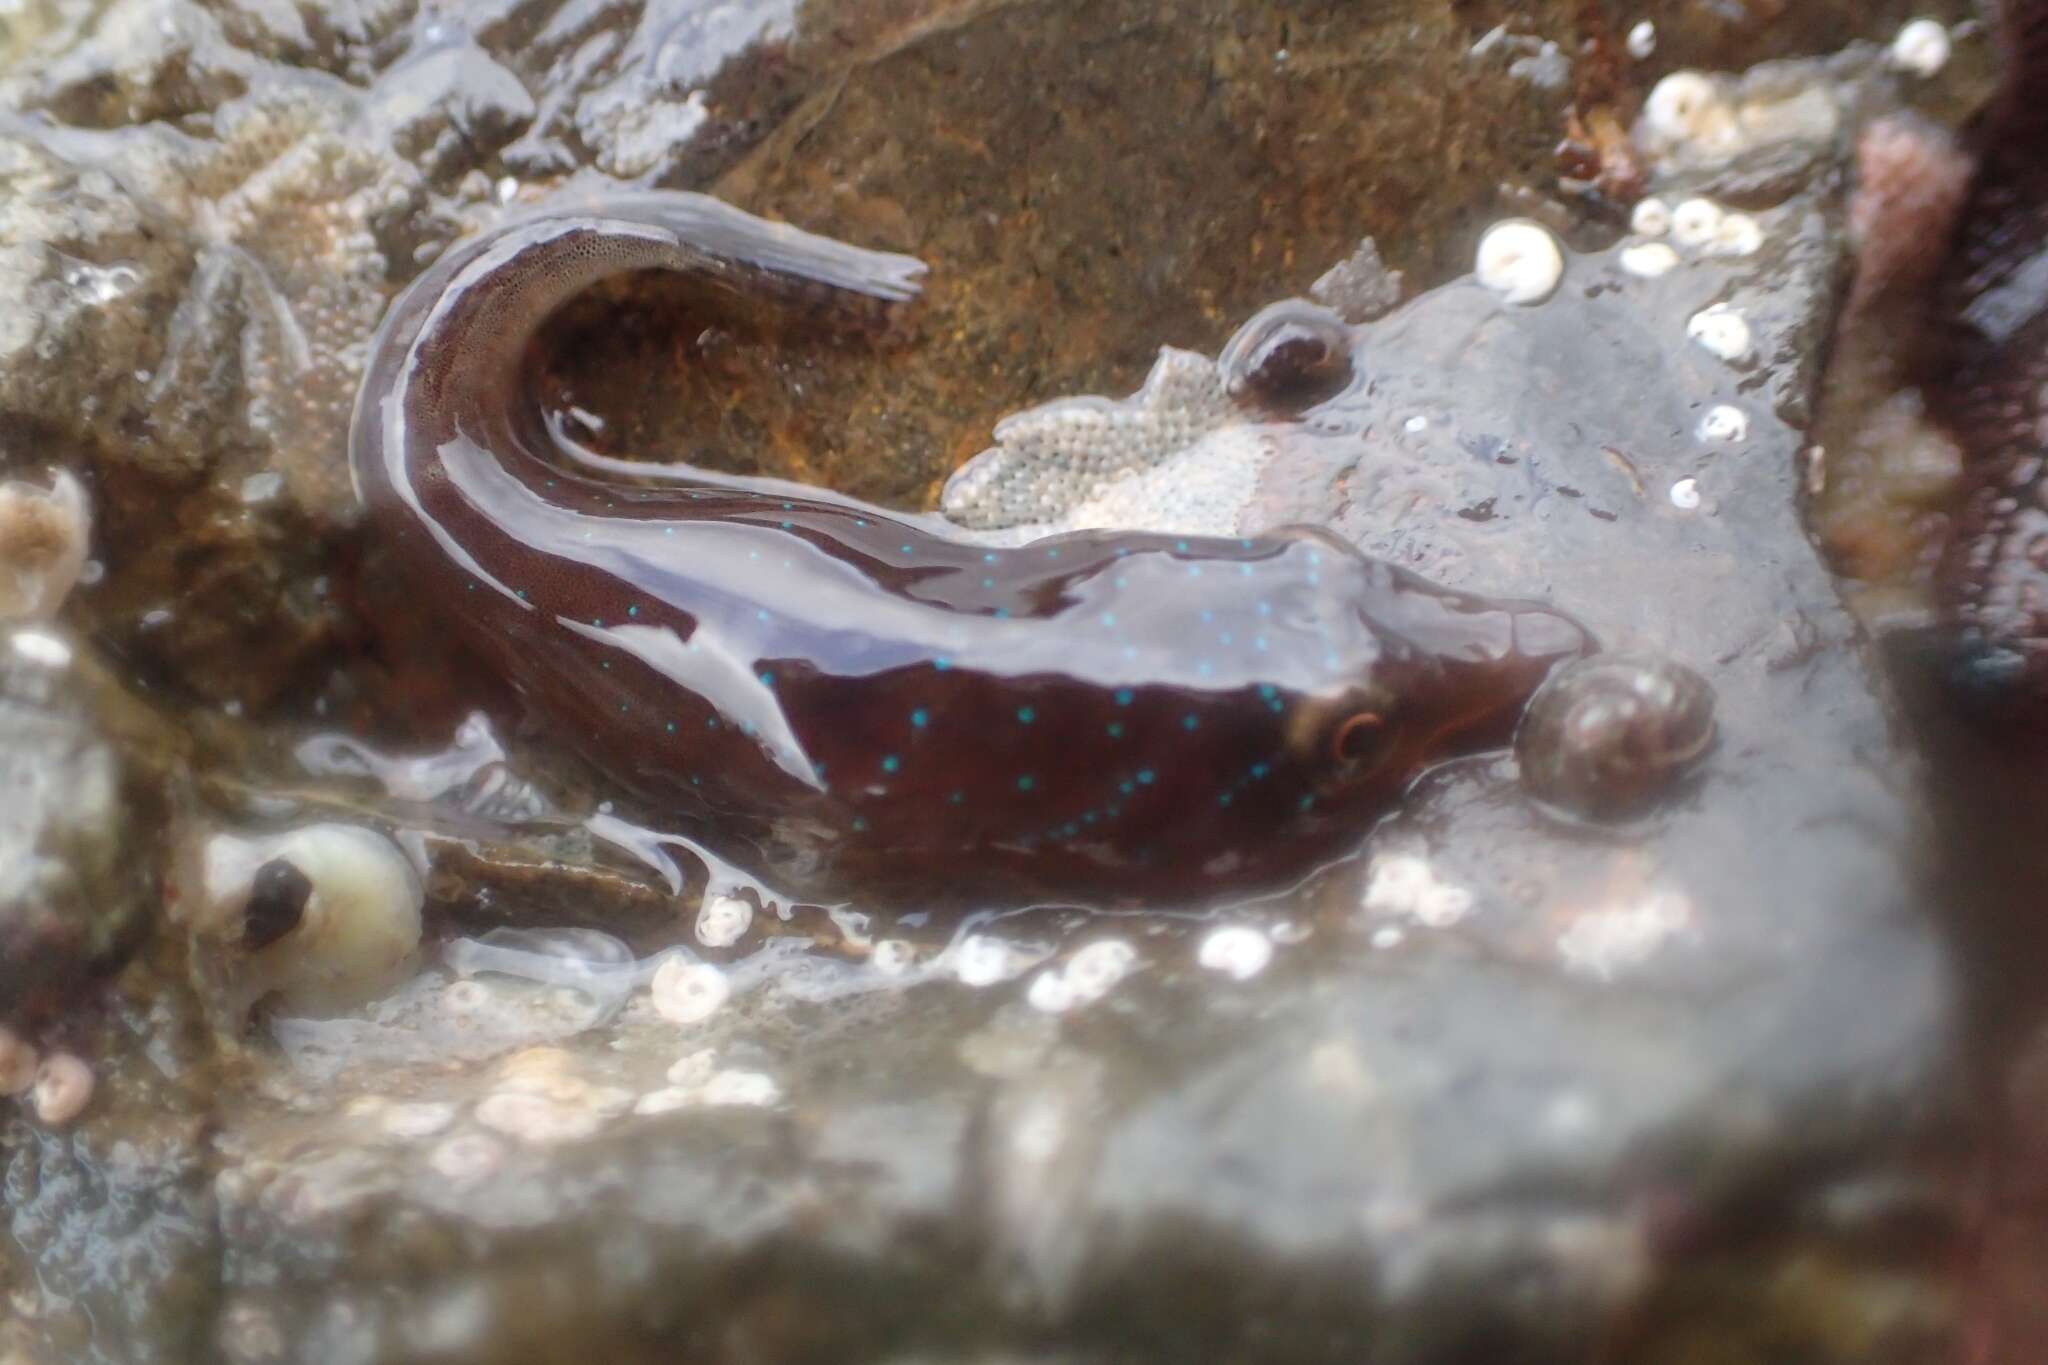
{"x":1993,"y":393}
{"x":856,"y":704}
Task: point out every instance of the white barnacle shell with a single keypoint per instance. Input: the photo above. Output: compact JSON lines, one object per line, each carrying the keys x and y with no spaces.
{"x":1651,"y":217}
{"x":1723,"y":422}
{"x":1049,"y":992}
{"x":1738,"y":235}
{"x":1688,"y":109}
{"x":1921,"y":49}
{"x":1722,"y":331}
{"x":751,"y":1089}
{"x":1238,"y":951}
{"x":687,"y":992}
{"x":44,"y":533}
{"x":62,"y":1089}
{"x":1648,"y":260}
{"x":1695,"y":222}
{"x":1094,"y":971}
{"x":723,"y":921}
{"x":1520,"y":261}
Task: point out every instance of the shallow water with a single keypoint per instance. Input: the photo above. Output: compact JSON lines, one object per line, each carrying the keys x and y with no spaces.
{"x":1667,"y":1075}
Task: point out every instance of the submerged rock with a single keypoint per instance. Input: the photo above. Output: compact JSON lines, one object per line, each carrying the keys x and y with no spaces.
{"x":1488,"y":1053}
{"x":77,"y":885}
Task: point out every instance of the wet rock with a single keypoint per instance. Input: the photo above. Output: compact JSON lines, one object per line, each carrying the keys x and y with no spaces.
{"x":77,"y":885}
{"x":185,"y":315}
{"x":1487,"y":1055}
{"x":134,"y":1194}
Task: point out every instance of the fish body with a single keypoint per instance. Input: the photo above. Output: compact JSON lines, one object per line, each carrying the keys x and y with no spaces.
{"x":857,"y":704}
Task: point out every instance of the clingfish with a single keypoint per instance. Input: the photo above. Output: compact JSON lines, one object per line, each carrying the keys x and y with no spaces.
{"x":1992,"y":391}
{"x":851,"y":703}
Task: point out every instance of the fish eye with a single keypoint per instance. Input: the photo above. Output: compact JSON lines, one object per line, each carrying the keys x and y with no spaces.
{"x":1288,"y":357}
{"x":1361,"y":740}
{"x":277,"y":902}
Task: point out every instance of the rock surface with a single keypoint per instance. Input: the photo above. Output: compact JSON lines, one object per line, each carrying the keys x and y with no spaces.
{"x":1504,"y":1090}
{"x":77,"y":888}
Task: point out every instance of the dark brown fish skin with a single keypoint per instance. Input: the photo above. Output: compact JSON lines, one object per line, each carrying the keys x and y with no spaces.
{"x":1992,"y":388}
{"x":852,"y":704}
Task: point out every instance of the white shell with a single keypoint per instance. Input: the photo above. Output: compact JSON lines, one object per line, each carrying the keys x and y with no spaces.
{"x":1724,"y":423}
{"x":1237,"y":950}
{"x":1695,"y":222}
{"x":1921,"y":49}
{"x":1685,"y":494}
{"x":1049,"y":992}
{"x":755,"y":1089}
{"x":1722,"y":331}
{"x":1650,"y":217}
{"x":686,"y":992}
{"x":62,"y":1089}
{"x":1094,"y":970}
{"x":1649,"y":260}
{"x":1738,"y":235}
{"x":1642,"y":39}
{"x":1683,"y":105}
{"x":1520,"y":261}
{"x":723,"y":921}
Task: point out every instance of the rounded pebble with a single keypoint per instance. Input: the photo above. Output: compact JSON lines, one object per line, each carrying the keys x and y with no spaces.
{"x":723,"y":921}
{"x":18,"y":1062}
{"x":1237,"y":950}
{"x":1649,"y":260}
{"x":1695,"y":222}
{"x":62,"y":1089}
{"x":1724,"y":423}
{"x":1520,"y":261}
{"x":1685,"y":495}
{"x":1605,"y":736}
{"x":686,"y":992}
{"x":1921,"y":49}
{"x":1722,"y":331}
{"x":1650,"y":217}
